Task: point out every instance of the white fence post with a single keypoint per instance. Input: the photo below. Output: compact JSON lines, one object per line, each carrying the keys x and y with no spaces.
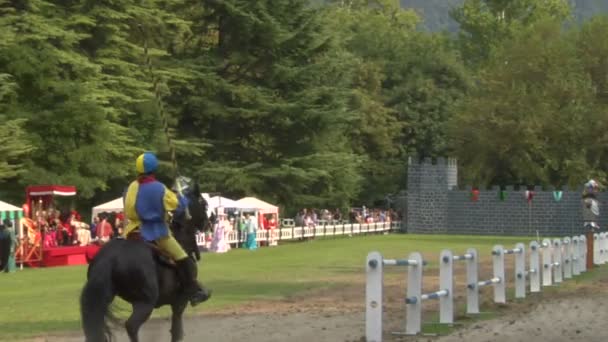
{"x":534,"y":271}
{"x":547,"y":263}
{"x":567,"y":258}
{"x":446,"y":282}
{"x":596,"y":249}
{"x":603,"y":253}
{"x":413,"y":325}
{"x":600,"y":244}
{"x":604,"y":243}
{"x":373,"y":294}
{"x":583,"y":252}
{"x":472,"y":289}
{"x":576,"y":256}
{"x":498,"y":261}
{"x":557,"y":261}
{"x":520,"y":269}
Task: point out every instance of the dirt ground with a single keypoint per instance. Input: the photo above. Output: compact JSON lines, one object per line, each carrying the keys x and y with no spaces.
{"x":338,"y":316}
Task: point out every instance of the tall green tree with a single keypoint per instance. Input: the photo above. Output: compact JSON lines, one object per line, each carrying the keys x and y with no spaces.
{"x":531,"y":117}
{"x":405,"y":86}
{"x":485,"y":24}
{"x":60,"y":99}
{"x":14,"y":146}
{"x":593,"y":54}
{"x":269,"y":96}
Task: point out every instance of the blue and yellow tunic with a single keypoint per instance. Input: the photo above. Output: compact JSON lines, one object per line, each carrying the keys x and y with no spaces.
{"x":147,"y":202}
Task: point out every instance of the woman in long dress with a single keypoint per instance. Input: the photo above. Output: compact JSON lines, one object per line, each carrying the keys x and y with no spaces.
{"x":251,"y":227}
{"x":219,"y":244}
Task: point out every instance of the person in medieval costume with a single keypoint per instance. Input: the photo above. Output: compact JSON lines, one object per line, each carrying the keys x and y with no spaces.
{"x":251,"y":228}
{"x":219,"y":244}
{"x":4,"y":247}
{"x":10,"y":228}
{"x":591,"y":206}
{"x":8,"y":243}
{"x":147,"y":203}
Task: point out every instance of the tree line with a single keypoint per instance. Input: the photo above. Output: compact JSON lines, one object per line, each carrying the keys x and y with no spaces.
{"x":303,"y":104}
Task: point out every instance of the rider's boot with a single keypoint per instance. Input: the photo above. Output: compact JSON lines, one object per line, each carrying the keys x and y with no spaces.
{"x":187,"y":272}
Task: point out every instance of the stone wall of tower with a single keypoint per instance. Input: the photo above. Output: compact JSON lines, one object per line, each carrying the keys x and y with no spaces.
{"x":436,"y":204}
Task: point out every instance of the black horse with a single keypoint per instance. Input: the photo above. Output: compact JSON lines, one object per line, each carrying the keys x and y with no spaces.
{"x":134,"y":271}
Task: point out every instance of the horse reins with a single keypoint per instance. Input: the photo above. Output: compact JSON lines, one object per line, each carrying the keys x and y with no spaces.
{"x":161,"y":114}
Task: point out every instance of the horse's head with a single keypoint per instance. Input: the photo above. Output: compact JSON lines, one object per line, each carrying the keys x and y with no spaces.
{"x":197,"y":206}
{"x":184,"y":226}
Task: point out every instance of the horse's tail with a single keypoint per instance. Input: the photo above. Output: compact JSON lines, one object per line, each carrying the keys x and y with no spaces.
{"x":95,"y":300}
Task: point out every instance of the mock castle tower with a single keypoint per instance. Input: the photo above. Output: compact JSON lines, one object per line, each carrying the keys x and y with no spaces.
{"x":436,"y":204}
{"x":427,"y":194}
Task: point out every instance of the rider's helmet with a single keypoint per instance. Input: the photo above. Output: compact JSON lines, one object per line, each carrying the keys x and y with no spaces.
{"x":146,"y":163}
{"x":592,"y":186}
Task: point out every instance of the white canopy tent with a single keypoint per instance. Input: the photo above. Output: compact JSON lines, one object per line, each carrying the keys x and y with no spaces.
{"x":11,"y":212}
{"x":219,"y":201}
{"x":8,"y":207}
{"x":114,"y":206}
{"x":259,"y":205}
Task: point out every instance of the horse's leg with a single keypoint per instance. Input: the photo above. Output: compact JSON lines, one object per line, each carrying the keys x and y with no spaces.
{"x":177,"y":325}
{"x":141,"y":313}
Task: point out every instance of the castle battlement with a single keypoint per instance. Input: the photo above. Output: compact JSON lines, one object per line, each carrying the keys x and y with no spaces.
{"x":436,"y":203}
{"x":427,"y":161}
{"x":517,"y":188}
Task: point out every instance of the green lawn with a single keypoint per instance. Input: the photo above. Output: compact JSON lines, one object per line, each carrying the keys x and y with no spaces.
{"x":41,"y":301}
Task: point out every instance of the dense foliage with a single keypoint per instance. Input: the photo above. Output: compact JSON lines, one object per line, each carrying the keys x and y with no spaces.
{"x":303,"y":104}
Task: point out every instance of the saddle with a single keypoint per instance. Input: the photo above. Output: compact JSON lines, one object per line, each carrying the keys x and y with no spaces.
{"x":160,"y":255}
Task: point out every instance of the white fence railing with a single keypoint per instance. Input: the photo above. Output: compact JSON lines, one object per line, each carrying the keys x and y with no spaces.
{"x":562,"y":259}
{"x":272,"y":236}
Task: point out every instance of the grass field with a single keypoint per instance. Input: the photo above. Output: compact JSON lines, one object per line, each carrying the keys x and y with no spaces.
{"x":45,"y":301}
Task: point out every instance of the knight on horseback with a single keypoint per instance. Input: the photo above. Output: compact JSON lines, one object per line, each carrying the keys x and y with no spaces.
{"x":147,"y":206}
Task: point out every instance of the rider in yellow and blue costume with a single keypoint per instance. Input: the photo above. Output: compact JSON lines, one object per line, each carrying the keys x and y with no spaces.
{"x":147,"y":204}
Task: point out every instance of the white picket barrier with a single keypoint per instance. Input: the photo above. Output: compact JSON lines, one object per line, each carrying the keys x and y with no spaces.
{"x":291,"y":232}
{"x":561,"y":259}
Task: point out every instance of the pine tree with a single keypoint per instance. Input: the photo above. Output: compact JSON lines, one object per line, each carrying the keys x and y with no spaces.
{"x":61,"y":99}
{"x":270,"y":99}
